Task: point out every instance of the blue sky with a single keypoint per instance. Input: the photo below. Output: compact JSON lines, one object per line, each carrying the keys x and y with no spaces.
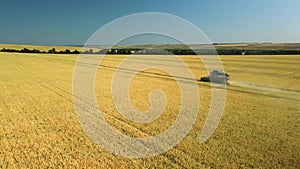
{"x":66,"y":22}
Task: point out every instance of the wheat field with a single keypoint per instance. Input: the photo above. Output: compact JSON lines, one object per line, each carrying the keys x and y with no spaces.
{"x":40,"y":129}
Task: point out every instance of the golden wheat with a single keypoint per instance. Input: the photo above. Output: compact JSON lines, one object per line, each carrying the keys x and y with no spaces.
{"x":39,"y":127}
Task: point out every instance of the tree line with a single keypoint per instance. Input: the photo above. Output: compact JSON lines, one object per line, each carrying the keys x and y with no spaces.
{"x":53,"y":51}
{"x":163,"y":51}
{"x":194,"y":52}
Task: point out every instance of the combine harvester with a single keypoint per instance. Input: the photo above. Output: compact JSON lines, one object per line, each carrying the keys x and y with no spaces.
{"x":216,"y":76}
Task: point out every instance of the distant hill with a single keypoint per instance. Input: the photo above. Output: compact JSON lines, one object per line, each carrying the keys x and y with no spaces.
{"x":244,"y":46}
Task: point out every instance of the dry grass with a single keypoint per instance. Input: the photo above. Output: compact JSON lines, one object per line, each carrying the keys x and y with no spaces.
{"x":259,"y":128}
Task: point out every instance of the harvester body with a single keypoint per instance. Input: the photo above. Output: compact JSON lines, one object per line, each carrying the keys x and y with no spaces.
{"x":216,"y":76}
